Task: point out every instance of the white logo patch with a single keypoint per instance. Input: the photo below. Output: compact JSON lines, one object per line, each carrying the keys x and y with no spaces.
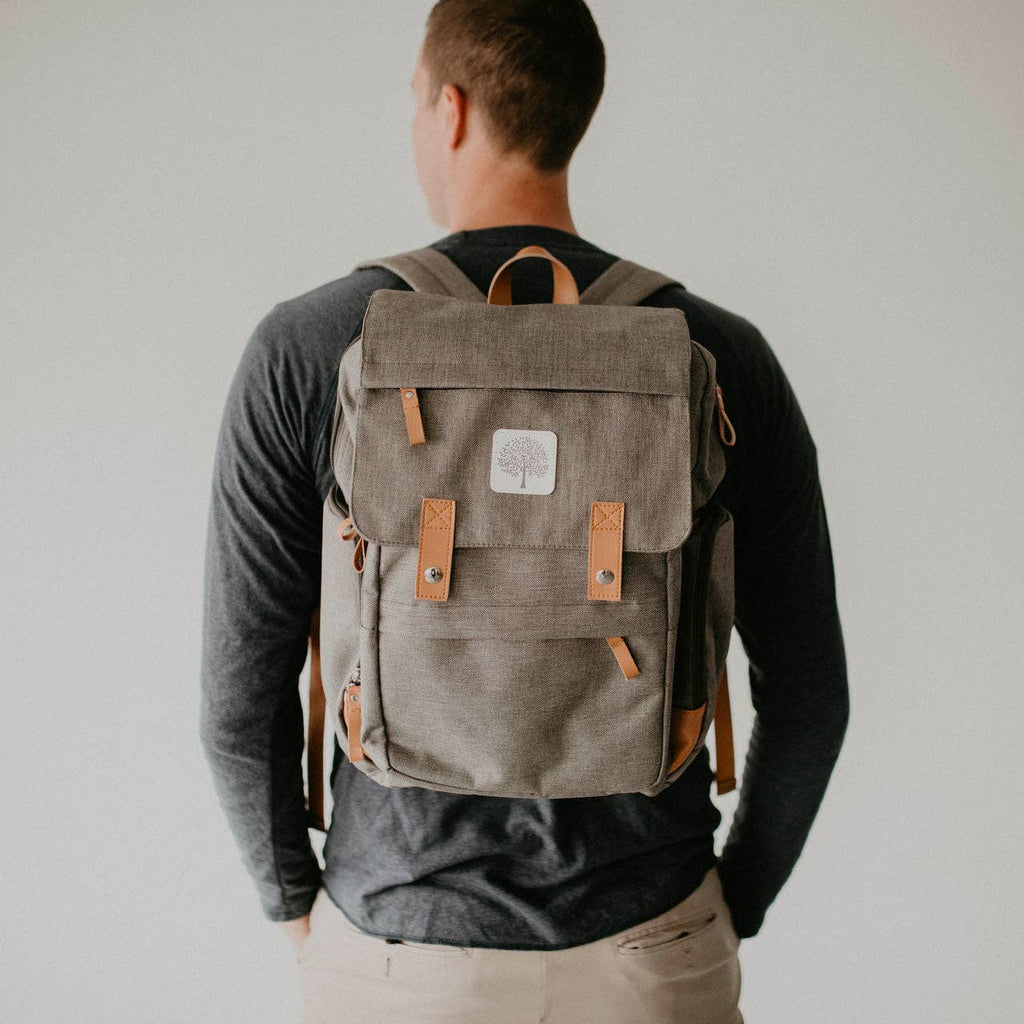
{"x":523,"y":461}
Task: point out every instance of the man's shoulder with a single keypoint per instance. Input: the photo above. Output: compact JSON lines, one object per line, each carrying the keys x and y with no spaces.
{"x":330,"y":310}
{"x":708,"y":318}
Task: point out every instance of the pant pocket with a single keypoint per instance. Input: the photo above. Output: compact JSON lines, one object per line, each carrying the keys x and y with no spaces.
{"x":667,"y":934}
{"x":430,"y":949}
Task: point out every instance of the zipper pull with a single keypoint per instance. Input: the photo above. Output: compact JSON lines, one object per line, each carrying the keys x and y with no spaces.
{"x":347,"y":531}
{"x":352,"y":713}
{"x":723,"y":420}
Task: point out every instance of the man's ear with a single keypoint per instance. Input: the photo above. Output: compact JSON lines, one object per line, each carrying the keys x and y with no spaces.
{"x":455,"y":110}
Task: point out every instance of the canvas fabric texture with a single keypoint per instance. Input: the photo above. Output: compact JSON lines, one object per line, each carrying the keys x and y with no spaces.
{"x":509,"y":687}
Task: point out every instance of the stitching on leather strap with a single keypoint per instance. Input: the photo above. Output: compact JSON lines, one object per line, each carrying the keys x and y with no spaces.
{"x":437,"y":538}
{"x":605,"y":554}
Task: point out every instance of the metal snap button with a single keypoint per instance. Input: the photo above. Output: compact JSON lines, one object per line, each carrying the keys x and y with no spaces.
{"x":433,"y":574}
{"x":604,"y":576}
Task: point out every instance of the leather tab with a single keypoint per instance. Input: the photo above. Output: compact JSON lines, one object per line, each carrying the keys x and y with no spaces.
{"x":685,"y":730}
{"x":437,"y":537}
{"x":413,"y":420}
{"x":725,"y":768}
{"x":353,"y":715}
{"x":606,"y":521}
{"x":623,"y":656}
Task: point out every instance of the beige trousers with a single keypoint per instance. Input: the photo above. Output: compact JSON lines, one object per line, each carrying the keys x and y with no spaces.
{"x":680,"y":967}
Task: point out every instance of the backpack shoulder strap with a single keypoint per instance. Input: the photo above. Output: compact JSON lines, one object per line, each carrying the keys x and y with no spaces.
{"x":624,"y":283}
{"x":429,"y":270}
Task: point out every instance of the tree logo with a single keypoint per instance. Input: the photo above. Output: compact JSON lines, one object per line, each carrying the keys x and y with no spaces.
{"x":523,"y":461}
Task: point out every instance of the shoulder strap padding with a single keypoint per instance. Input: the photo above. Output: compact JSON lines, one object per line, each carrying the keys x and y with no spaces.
{"x":429,"y":270}
{"x":624,"y":283}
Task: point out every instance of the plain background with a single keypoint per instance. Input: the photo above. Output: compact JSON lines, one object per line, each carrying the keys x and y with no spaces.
{"x":850,"y":178}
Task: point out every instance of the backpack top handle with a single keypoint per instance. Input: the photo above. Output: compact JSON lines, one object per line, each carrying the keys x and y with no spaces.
{"x":565,"y":291}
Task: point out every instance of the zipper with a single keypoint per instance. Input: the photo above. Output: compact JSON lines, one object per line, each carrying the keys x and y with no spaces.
{"x":700,"y":599}
{"x":704,"y":400}
{"x":707,"y":523}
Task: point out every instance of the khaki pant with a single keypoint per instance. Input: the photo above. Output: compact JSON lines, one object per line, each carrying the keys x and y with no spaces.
{"x":680,"y":967}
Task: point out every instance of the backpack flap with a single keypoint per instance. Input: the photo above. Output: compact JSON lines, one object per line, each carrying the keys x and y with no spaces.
{"x":601,"y":380}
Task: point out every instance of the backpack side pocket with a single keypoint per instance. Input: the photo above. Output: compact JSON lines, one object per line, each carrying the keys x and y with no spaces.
{"x":705,"y":625}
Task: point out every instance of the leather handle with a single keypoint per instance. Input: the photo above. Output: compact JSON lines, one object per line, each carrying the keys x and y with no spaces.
{"x":564,"y":293}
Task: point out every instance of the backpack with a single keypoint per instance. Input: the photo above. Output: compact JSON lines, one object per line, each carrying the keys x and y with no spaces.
{"x":527,"y":580}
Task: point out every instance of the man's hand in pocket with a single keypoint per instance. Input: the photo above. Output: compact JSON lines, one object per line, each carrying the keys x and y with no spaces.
{"x":297,"y":930}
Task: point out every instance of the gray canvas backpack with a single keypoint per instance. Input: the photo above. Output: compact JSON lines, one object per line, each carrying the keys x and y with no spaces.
{"x":527,"y":583}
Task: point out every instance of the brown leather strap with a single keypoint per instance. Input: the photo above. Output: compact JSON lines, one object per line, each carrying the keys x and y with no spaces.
{"x":315,"y":736}
{"x":623,"y":656}
{"x":351,"y":711}
{"x":437,"y":538}
{"x":686,"y":724}
{"x":725,"y":769}
{"x":565,"y":290}
{"x":413,"y":420}
{"x":606,"y":522}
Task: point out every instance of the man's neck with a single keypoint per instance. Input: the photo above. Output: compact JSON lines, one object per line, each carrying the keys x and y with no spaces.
{"x":495,"y":200}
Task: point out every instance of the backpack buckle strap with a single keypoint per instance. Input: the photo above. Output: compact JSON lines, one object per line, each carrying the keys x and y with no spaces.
{"x":604,"y":570}
{"x":413,"y":419}
{"x":623,"y":656}
{"x":437,"y":538}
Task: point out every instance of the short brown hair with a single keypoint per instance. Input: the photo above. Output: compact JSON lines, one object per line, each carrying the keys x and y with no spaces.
{"x":535,"y":67}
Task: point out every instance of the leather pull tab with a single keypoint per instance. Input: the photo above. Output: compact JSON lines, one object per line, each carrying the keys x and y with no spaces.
{"x":413,"y":420}
{"x":347,"y":531}
{"x":726,"y":431}
{"x":622,"y":654}
{"x":604,"y":569}
{"x":725,"y":767}
{"x":353,"y":715}
{"x":437,"y":538}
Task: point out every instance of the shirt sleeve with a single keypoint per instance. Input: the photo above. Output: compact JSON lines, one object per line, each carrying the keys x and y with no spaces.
{"x":261,"y":586}
{"x":788,"y":621}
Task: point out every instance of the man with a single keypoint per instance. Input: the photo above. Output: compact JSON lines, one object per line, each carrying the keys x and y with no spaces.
{"x":440,"y":906}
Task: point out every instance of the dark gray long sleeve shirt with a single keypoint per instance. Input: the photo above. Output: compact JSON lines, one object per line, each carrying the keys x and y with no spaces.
{"x":432,"y":866}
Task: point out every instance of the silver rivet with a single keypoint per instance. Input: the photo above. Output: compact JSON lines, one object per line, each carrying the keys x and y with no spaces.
{"x":354,"y":698}
{"x":408,"y":394}
{"x":604,"y":576}
{"x":433,"y":574}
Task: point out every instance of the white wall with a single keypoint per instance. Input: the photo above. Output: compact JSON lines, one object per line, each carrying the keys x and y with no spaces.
{"x":848,"y":177}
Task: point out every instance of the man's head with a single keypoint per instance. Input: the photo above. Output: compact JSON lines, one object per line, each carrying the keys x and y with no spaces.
{"x":504,"y":93}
